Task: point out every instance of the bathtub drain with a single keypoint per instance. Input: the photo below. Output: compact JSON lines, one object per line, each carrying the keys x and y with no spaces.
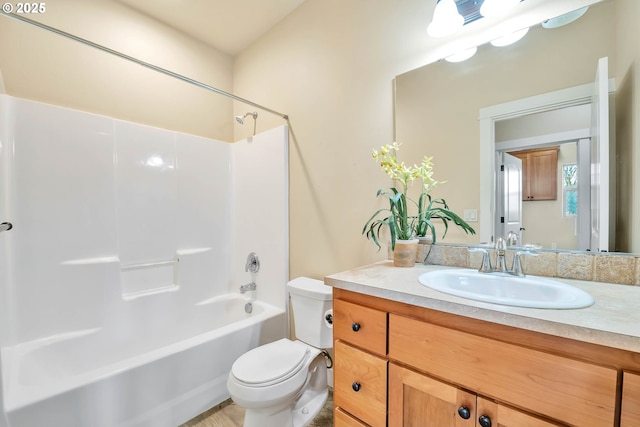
{"x":248,"y":307}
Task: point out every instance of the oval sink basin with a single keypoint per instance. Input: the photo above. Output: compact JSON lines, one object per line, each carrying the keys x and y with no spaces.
{"x":505,"y":289}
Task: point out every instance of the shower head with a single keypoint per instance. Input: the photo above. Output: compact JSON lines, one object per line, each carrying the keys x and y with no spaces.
{"x":240,"y":119}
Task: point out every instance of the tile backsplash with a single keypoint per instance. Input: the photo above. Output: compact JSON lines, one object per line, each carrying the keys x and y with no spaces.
{"x":622,"y":269}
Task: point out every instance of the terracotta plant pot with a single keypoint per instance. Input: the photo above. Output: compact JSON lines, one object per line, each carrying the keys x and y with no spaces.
{"x":404,"y":254}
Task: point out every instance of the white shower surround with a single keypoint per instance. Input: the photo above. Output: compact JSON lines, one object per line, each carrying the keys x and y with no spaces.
{"x":126,"y":232}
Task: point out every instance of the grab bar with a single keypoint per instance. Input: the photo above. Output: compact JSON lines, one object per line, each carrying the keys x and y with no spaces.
{"x":6,"y":226}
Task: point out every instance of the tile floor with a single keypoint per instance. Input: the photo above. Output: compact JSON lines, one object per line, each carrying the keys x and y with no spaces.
{"x":228,"y":414}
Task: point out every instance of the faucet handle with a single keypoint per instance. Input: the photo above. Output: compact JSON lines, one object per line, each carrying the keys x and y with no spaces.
{"x":486,"y":261}
{"x":253,"y":263}
{"x":528,"y":252}
{"x":517,"y":269}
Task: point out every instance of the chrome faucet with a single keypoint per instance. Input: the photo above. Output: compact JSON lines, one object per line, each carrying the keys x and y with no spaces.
{"x":501,"y":249}
{"x":501,"y":265}
{"x":248,"y":287}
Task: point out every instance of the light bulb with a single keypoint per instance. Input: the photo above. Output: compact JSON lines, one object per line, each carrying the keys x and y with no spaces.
{"x":446,"y":19}
{"x":491,"y":8}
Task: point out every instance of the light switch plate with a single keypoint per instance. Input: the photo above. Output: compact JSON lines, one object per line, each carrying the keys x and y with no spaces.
{"x":470,"y":215}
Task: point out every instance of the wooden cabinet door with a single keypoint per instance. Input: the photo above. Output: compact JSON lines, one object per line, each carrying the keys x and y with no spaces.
{"x":416,"y":400}
{"x":630,"y":415}
{"x":360,"y":384}
{"x":543,"y":173}
{"x":503,"y":416}
{"x":539,"y":173}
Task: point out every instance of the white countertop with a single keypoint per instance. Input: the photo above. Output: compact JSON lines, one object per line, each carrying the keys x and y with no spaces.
{"x":613,"y":320}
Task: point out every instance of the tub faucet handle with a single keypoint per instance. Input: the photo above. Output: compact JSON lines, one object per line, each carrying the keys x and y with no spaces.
{"x":253,"y":263}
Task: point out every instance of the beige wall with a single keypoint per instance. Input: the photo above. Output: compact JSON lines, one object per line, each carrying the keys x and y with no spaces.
{"x":42,"y":66}
{"x":628,"y":123}
{"x":330,"y":66}
{"x":556,"y":231}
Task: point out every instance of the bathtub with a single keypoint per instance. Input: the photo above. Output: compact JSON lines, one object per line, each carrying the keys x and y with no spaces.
{"x":152,"y":373}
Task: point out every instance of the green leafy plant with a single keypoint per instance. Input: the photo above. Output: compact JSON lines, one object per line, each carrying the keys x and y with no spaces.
{"x":432,"y":209}
{"x":396,"y":218}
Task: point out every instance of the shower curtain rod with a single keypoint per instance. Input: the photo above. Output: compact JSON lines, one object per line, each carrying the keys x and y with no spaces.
{"x":144,"y":64}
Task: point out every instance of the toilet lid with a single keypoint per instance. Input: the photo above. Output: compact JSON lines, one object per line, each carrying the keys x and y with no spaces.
{"x":270,"y":363}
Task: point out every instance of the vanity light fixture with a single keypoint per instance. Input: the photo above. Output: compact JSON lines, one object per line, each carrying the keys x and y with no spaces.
{"x":565,"y":19}
{"x":491,"y":8}
{"x":510,"y":38}
{"x":446,"y":19}
{"x":462,"y":55}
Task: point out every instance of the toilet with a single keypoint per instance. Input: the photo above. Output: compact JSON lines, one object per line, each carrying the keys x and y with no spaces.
{"x":284,"y":383}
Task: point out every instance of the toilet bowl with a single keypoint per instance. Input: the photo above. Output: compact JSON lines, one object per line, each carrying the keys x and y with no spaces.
{"x":284,"y":383}
{"x":280,"y":384}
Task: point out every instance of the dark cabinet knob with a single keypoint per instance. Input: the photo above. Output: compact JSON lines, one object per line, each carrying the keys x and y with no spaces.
{"x":464,"y":412}
{"x":355,"y":386}
{"x":484,"y":421}
{"x":355,"y":326}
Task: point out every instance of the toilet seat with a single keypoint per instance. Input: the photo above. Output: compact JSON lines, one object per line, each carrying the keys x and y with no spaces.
{"x":271,"y":363}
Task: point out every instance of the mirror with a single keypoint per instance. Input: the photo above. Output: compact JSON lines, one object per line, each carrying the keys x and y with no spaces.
{"x":547,"y":143}
{"x":438,"y":106}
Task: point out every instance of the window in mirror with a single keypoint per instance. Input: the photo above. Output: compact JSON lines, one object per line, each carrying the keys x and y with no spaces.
{"x":570,"y":189}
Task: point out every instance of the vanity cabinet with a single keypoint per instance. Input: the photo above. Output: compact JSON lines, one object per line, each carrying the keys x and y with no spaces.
{"x":630,"y":414}
{"x":539,"y":173}
{"x":417,"y":367}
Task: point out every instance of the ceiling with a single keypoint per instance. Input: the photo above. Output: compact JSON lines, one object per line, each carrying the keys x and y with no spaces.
{"x":233,"y":25}
{"x":228,"y":25}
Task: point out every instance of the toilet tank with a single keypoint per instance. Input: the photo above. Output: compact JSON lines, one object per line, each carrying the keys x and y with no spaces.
{"x":311,"y":302}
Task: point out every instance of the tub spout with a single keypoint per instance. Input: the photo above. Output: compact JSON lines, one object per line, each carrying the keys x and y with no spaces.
{"x":248,"y":287}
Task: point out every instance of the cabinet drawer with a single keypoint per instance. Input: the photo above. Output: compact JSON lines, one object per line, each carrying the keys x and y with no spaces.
{"x":342,"y":419}
{"x":361,"y":326}
{"x":567,"y":390}
{"x":360,"y":384}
